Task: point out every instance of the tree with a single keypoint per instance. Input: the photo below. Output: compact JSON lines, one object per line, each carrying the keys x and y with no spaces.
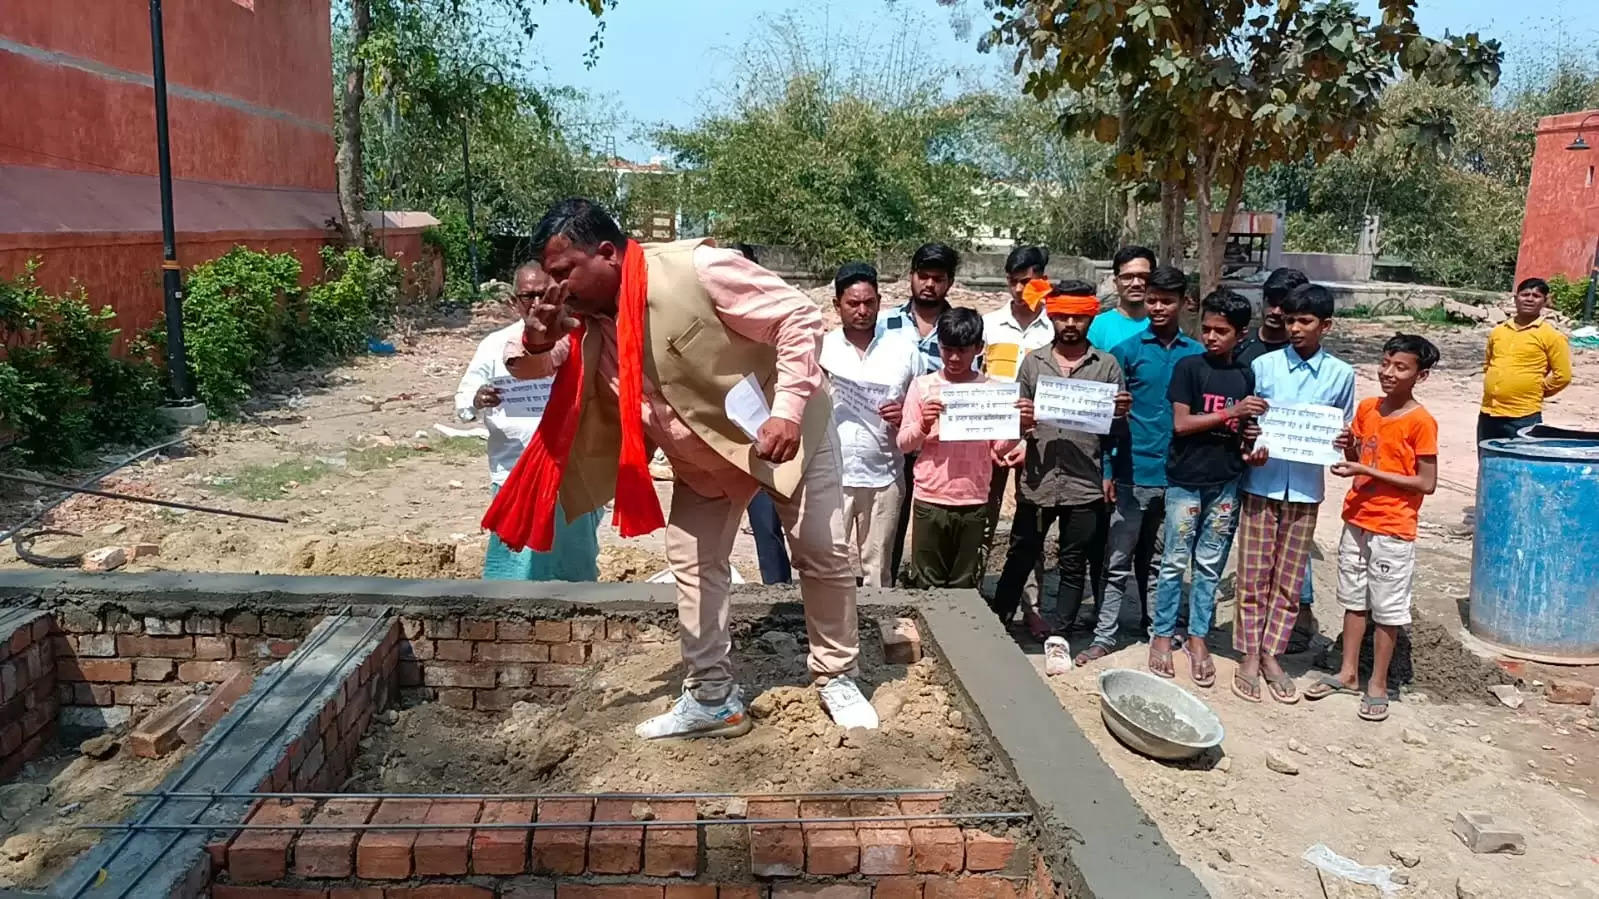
{"x":375,"y":31}
{"x":1201,"y":93}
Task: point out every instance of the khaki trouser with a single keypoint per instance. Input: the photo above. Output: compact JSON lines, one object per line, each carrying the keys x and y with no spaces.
{"x":699,"y":539}
{"x":871,"y":515}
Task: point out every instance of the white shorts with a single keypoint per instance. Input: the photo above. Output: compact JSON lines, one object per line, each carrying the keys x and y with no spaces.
{"x":1374,"y":573}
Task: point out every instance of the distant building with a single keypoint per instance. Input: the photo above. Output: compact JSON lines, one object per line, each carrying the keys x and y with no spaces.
{"x":1560,"y":231}
{"x":250,"y":109}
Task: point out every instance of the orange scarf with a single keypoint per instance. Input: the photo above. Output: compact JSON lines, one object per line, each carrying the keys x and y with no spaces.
{"x":1066,"y":304}
{"x":523,"y":513}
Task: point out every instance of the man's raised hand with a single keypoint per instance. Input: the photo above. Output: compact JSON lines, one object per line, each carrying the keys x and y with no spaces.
{"x":548,"y":320}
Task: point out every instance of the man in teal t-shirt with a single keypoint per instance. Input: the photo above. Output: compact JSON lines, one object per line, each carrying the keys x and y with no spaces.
{"x":1111,"y":328}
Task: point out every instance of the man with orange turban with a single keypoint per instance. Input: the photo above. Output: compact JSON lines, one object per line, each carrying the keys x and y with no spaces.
{"x":1062,"y":472}
{"x":647,"y":343}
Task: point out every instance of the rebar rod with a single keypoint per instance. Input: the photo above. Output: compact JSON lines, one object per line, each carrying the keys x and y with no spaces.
{"x":170,"y":504}
{"x":522,"y":797}
{"x":567,"y":825}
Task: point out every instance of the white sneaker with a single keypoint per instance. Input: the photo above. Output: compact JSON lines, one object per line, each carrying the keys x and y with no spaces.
{"x":843,"y":700}
{"x":1057,"y":656}
{"x":691,"y":718}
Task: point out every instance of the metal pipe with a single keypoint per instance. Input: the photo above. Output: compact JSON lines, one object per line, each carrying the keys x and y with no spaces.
{"x":182,"y":386}
{"x":207,"y":750}
{"x":142,"y":499}
{"x":471,"y":211}
{"x":381,"y":618}
{"x":68,"y":494}
{"x":522,"y":797}
{"x":566,"y":825}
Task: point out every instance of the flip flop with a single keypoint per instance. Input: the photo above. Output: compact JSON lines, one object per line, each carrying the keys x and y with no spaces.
{"x":1248,"y":684}
{"x":1373,"y":708}
{"x":1091,"y":654}
{"x":1326,"y":685}
{"x":1160,"y":663}
{"x":1282,"y":689}
{"x":1203,"y":671}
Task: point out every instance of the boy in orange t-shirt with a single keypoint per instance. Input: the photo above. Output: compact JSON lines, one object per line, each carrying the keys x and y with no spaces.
{"x":1392,"y":453}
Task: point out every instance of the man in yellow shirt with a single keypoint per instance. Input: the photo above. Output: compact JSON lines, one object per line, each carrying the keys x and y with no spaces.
{"x":1528,"y":360}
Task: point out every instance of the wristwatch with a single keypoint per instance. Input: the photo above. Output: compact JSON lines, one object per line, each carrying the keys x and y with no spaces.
{"x":466,"y":414}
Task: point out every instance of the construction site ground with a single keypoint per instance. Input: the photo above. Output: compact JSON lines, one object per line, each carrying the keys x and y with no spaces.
{"x":352,"y":458}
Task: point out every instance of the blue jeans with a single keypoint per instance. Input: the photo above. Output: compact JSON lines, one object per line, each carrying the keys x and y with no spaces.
{"x":770,"y":550}
{"x":1131,"y":548}
{"x":1307,"y":593}
{"x":1199,"y":531}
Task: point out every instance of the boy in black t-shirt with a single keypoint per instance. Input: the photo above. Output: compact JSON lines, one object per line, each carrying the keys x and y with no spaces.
{"x":1213,"y":400}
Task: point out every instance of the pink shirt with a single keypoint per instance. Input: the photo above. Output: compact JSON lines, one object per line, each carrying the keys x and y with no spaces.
{"x":948,"y":474}
{"x":750,"y":301}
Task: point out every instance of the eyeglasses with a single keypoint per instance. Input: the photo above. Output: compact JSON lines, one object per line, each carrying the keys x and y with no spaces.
{"x":1133,"y":276}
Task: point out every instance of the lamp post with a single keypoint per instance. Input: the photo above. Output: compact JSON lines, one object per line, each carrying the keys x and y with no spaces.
{"x":466,"y":172}
{"x":1580,"y":145}
{"x":181,"y":406}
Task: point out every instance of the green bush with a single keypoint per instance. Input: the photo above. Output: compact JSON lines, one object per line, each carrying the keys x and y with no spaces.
{"x":449,"y":237}
{"x":333,"y":319}
{"x":62,"y":392}
{"x":1567,"y":296}
{"x":234,"y":308}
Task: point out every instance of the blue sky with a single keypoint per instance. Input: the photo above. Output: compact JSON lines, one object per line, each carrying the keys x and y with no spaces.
{"x":664,"y":59}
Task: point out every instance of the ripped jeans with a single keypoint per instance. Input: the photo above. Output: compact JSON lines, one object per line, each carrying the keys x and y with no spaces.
{"x":1199,"y":530}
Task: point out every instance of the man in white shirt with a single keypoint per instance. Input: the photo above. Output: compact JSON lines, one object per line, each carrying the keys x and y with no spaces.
{"x":574,"y":556}
{"x":864,"y":351}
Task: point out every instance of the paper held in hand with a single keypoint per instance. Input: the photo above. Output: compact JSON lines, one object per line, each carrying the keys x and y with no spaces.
{"x":522,"y":399}
{"x":980,"y":411}
{"x":746,"y":407}
{"x":1075,"y":405}
{"x":1302,"y":433}
{"x":860,"y":400}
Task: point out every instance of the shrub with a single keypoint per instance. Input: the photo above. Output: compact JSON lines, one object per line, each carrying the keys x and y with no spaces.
{"x":1567,"y":296}
{"x":333,"y":319}
{"x":233,"y":314}
{"x":62,"y":392}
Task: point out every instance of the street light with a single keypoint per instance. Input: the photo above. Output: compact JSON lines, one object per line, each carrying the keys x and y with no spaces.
{"x":466,"y":170}
{"x":181,"y":406}
{"x":1581,"y":145}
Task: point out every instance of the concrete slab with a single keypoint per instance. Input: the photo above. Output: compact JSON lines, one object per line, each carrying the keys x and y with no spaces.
{"x":238,"y":754}
{"x":1091,"y":830}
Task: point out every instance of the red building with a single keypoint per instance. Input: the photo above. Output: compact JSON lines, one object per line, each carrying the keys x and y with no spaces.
{"x":1560,"y":232}
{"x":250,"y":109}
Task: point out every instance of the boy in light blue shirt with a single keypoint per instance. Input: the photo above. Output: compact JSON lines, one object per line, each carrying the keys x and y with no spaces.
{"x":1277,"y":523}
{"x":1131,"y":268}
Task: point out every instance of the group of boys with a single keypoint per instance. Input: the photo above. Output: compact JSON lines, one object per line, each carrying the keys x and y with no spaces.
{"x":1159,"y":498}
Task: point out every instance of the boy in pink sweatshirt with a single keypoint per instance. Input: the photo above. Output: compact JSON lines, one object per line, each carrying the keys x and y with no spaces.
{"x":950,"y":495}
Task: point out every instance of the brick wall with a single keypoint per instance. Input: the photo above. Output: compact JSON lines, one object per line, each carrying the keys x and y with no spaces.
{"x":488,"y":664}
{"x":113,"y":665}
{"x":27,"y":688}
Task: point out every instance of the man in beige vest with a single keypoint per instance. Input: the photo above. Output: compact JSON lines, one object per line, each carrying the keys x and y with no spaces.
{"x":710,"y":318}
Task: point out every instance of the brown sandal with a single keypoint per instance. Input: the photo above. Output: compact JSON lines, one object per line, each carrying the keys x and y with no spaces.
{"x":1245,"y":687}
{"x":1160,"y":662}
{"x":1203,"y":671}
{"x":1282,"y":689}
{"x":1091,"y":654}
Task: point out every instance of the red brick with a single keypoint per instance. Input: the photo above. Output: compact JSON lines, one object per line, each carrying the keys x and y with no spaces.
{"x":143,"y":694}
{"x":732,"y":891}
{"x":439,"y":891}
{"x":331,"y":853}
{"x":1570,"y":692}
{"x":673,"y":851}
{"x":566,"y":890}
{"x":158,"y":735}
{"x":477,"y":629}
{"x":503,"y":852}
{"x":690,"y":890}
{"x":444,"y":853}
{"x":206,"y":672}
{"x":541,"y":889}
{"x":230,"y":891}
{"x":262,"y":856}
{"x":902,"y":643}
{"x":10,"y":738}
{"x":500,"y":700}
{"x":101,"y":646}
{"x":442,"y":628}
{"x":133,"y":646}
{"x":457,"y":698}
{"x":938,"y":850}
{"x":558,"y":675}
{"x":615,"y":850}
{"x":213,"y":648}
{"x":776,"y":850}
{"x":831,"y":848}
{"x":411,"y":628}
{"x":99,"y":671}
{"x":514,"y":652}
{"x":546,"y":631}
{"x":18,"y":641}
{"x":355,"y":893}
{"x":562,"y":850}
{"x":217,"y":704}
{"x":569,"y":653}
{"x":452,"y":650}
{"x":620,"y":630}
{"x":986,"y":852}
{"x":821,"y":891}
{"x":931,"y":805}
{"x":587,"y":630}
{"x":246,"y":624}
{"x":515,"y":632}
{"x":154,"y":669}
{"x":897,"y":887}
{"x":473,"y":676}
{"x":386,"y":855}
{"x":885,"y":851}
{"x":423,"y":650}
{"x":969,"y":888}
